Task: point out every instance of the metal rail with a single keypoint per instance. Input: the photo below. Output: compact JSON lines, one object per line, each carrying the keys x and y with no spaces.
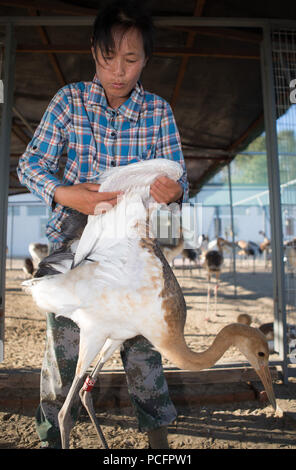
{"x":5,"y":130}
{"x":280,"y":338}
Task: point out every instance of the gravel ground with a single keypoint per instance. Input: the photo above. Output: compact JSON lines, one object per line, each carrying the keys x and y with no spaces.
{"x":243,"y":425}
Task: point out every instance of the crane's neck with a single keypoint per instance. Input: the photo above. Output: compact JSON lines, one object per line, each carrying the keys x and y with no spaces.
{"x":184,"y":358}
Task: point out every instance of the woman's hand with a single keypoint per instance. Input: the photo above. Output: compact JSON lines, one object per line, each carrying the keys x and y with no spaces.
{"x":85,"y":198}
{"x":165,"y":190}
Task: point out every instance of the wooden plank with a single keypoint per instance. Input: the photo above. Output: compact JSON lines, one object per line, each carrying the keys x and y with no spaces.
{"x":103,"y":401}
{"x":19,"y":379}
{"x":212,"y":376}
{"x":113,"y":400}
{"x":180,"y":377}
{"x":25,"y":379}
{"x":19,"y":390}
{"x":217,"y":398}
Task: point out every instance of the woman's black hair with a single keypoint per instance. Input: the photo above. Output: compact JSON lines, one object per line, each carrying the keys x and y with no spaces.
{"x":125,"y":14}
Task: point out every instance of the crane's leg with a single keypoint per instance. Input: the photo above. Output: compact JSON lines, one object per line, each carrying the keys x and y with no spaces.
{"x":64,"y":416}
{"x":208,"y":297}
{"x":89,"y":347}
{"x":216,"y":292}
{"x":85,"y":395}
{"x":87,"y":401}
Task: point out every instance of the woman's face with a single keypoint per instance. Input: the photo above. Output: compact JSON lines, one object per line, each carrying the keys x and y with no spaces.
{"x":120,"y":70}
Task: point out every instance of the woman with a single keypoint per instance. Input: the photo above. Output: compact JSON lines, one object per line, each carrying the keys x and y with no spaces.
{"x":107,"y":122}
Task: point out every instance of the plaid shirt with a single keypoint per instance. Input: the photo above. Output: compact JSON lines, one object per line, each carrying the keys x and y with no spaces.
{"x":96,"y":137}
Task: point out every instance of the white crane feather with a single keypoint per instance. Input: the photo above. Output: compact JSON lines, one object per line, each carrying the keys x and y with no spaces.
{"x":107,"y":255}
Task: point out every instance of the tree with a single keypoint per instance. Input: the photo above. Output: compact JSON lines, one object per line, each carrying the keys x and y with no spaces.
{"x":252,"y":169}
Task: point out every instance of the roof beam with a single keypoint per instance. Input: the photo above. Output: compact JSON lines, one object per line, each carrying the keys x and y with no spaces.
{"x":254,"y":125}
{"x":232,"y":149}
{"x":159,"y":51}
{"x":14,"y":177}
{"x":52,"y":57}
{"x":52,"y":6}
{"x":19,"y":132}
{"x":193,"y":52}
{"x":23,"y":119}
{"x":159,"y":21}
{"x":51,"y":48}
{"x":218,"y":159}
{"x":199,"y":5}
{"x":232,"y":34}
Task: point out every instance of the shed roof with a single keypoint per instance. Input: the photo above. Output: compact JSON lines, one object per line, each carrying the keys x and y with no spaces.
{"x":210,"y":75}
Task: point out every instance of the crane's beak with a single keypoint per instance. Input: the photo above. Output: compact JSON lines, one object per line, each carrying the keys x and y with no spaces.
{"x":265,"y":376}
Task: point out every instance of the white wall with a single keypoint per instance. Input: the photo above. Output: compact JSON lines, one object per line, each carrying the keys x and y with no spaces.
{"x":23,"y":226}
{"x":23,"y":229}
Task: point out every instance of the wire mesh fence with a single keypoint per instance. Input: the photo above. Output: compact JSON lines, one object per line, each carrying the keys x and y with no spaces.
{"x":284,"y":70}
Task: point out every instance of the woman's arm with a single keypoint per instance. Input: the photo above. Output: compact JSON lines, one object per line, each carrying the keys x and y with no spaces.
{"x":39,"y":164}
{"x":85,"y":198}
{"x":169,"y":146}
{"x":166,"y":190}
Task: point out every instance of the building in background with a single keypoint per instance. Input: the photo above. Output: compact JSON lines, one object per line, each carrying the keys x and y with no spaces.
{"x":250,"y":211}
{"x":209,"y":213}
{"x":27,"y":219}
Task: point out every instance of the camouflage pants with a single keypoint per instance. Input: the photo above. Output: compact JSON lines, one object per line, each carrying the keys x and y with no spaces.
{"x":144,"y":373}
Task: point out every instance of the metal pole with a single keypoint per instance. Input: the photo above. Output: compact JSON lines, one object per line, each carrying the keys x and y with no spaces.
{"x":11,"y":236}
{"x":232,"y":229}
{"x":280,"y":339}
{"x":5,"y":131}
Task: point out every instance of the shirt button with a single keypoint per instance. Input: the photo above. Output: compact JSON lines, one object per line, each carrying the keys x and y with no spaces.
{"x":113,"y":163}
{"x":113,"y":134}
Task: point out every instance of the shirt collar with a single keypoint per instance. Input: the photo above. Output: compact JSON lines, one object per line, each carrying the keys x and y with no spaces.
{"x":130,"y":109}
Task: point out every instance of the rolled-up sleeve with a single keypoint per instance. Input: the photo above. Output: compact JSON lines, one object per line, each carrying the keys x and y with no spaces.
{"x":39,"y":164}
{"x":169,"y":146}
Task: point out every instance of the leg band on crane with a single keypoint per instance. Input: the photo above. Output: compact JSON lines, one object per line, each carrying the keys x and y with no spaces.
{"x":88,"y":384}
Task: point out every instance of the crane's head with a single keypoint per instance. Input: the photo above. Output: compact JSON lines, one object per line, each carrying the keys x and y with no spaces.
{"x":253,"y":344}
